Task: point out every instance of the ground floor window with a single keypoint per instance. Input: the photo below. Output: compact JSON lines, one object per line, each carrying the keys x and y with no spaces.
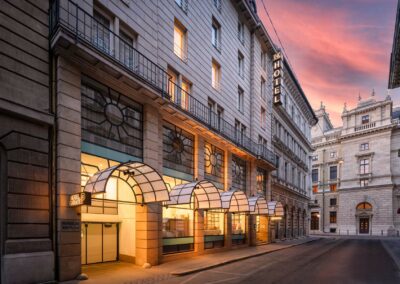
{"x":238,"y":228}
{"x":213,"y":229}
{"x":177,"y":224}
{"x":314,"y":221}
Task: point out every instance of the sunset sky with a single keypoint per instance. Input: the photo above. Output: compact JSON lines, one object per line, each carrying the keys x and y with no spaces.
{"x":337,"y":48}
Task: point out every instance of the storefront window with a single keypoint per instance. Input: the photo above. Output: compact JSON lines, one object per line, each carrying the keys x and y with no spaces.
{"x":238,"y":229}
{"x":178,"y":223}
{"x":213,"y":229}
{"x":261,"y":181}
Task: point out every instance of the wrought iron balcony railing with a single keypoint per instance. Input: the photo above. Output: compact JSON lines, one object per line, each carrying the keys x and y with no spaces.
{"x":67,"y":16}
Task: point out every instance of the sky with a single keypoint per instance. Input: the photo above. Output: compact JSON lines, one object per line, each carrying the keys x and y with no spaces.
{"x":337,"y":48}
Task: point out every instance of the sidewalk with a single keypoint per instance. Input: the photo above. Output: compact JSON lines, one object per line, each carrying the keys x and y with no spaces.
{"x":120,"y":272}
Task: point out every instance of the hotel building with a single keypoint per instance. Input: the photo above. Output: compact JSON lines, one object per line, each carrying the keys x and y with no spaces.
{"x":144,"y":131}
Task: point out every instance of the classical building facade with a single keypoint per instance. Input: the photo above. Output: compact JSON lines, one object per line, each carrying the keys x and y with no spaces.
{"x":140,"y":131}
{"x":355,"y":171}
{"x":291,"y":136}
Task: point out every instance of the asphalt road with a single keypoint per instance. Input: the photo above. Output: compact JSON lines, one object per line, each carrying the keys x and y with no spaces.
{"x":324,"y":261}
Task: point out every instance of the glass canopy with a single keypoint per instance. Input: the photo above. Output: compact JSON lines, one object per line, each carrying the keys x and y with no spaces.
{"x":275,"y":209}
{"x":207,"y":195}
{"x":235,"y":201}
{"x":144,"y":181}
{"x":258,"y":205}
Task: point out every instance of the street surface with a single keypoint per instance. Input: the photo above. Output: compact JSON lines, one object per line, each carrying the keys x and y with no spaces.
{"x":323,"y":261}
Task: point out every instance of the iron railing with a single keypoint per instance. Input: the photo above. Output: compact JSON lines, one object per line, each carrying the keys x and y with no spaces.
{"x":82,"y":26}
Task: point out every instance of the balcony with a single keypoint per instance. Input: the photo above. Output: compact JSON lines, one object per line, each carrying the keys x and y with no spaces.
{"x":68,"y":20}
{"x":364,"y":127}
{"x":294,"y":188}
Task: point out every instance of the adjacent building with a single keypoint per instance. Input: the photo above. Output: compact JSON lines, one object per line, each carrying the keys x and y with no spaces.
{"x":355,"y":171}
{"x":142,"y":131}
{"x":394,"y":72}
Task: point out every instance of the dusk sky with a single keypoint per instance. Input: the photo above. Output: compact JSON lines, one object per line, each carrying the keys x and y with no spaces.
{"x":337,"y":48}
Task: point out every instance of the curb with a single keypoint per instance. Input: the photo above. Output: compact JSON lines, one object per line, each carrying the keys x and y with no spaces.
{"x":198,"y":269}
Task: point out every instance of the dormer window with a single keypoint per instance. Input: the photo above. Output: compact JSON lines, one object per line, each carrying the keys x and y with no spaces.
{"x":365,"y":119}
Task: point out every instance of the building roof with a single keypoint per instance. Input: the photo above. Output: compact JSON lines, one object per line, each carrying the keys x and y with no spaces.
{"x":394,"y":74}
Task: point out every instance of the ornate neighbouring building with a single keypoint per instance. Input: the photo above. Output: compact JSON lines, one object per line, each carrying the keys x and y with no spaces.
{"x":355,"y":171}
{"x":141,"y":131}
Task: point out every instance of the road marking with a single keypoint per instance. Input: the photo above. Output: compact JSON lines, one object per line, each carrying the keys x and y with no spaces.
{"x":191,"y":278}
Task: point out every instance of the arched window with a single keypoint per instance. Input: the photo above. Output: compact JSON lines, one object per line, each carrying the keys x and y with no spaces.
{"x":364,"y":205}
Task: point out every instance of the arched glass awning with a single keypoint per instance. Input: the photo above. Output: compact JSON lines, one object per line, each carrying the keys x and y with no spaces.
{"x":207,"y":196}
{"x":275,"y":209}
{"x":258,"y":205}
{"x":144,"y":181}
{"x":235,"y":201}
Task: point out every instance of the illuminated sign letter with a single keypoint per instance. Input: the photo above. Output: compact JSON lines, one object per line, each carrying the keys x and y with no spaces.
{"x":277,"y":59}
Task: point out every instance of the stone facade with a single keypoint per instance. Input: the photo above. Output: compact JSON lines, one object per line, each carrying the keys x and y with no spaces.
{"x":357,"y":164}
{"x":103,"y":82}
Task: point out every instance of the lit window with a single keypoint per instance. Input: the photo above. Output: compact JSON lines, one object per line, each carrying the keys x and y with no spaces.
{"x":241,"y":32}
{"x":216,"y":34}
{"x":263,"y":118}
{"x":332,"y":217}
{"x":185,"y":94}
{"x":180,"y":46}
{"x":215,"y":75}
{"x":315,"y":158}
{"x":332,"y":154}
{"x":240,"y":101}
{"x":364,"y":146}
{"x":315,"y":188}
{"x":333,"y":187}
{"x":238,"y":228}
{"x":364,"y":166}
{"x":365,"y":119}
{"x":240,"y":64}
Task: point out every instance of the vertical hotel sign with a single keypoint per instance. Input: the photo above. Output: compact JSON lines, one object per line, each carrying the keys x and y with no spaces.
{"x":277,"y":76}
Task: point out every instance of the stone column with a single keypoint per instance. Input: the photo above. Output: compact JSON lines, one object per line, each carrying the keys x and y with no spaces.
{"x":228,"y":184}
{"x":199,"y":214}
{"x":149,"y":216}
{"x":252,"y":190}
{"x":68,"y":173}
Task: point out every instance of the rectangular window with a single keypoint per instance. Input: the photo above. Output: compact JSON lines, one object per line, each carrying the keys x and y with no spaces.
{"x":333,"y":202}
{"x":364,"y":146}
{"x":217,"y":4}
{"x":180,"y":44}
{"x":365,"y":119}
{"x":315,"y":188}
{"x":238,"y":229}
{"x":332,"y":154}
{"x":364,"y":182}
{"x":333,"y":187}
{"x":240,"y":131}
{"x":241,"y":32}
{"x":333,"y":173}
{"x":364,"y":166}
{"x":183,"y":4}
{"x":314,"y":221}
{"x":263,"y":118}
{"x":215,"y":75}
{"x":126,"y":50}
{"x":262,"y":91}
{"x":315,"y":158}
{"x":216,"y":34}
{"x":101,"y":32}
{"x":240,"y":64}
{"x":261,"y":181}
{"x":314,"y":175}
{"x":332,"y":217}
{"x":240,"y":100}
{"x":185,"y":94}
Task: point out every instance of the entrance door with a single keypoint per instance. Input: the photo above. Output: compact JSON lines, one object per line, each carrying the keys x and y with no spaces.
{"x":364,"y":225}
{"x":261,"y":229}
{"x":99,"y":242}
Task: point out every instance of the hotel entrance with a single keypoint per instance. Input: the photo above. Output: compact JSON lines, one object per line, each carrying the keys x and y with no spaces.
{"x":99,"y":242}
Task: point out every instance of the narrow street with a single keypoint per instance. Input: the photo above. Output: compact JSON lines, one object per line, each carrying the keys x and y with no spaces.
{"x":323,"y":261}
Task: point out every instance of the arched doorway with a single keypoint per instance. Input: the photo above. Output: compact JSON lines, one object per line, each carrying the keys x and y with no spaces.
{"x":364,"y":217}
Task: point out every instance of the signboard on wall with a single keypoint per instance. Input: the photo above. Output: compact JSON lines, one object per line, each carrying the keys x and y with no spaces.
{"x":277,"y":77}
{"x":79,"y":199}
